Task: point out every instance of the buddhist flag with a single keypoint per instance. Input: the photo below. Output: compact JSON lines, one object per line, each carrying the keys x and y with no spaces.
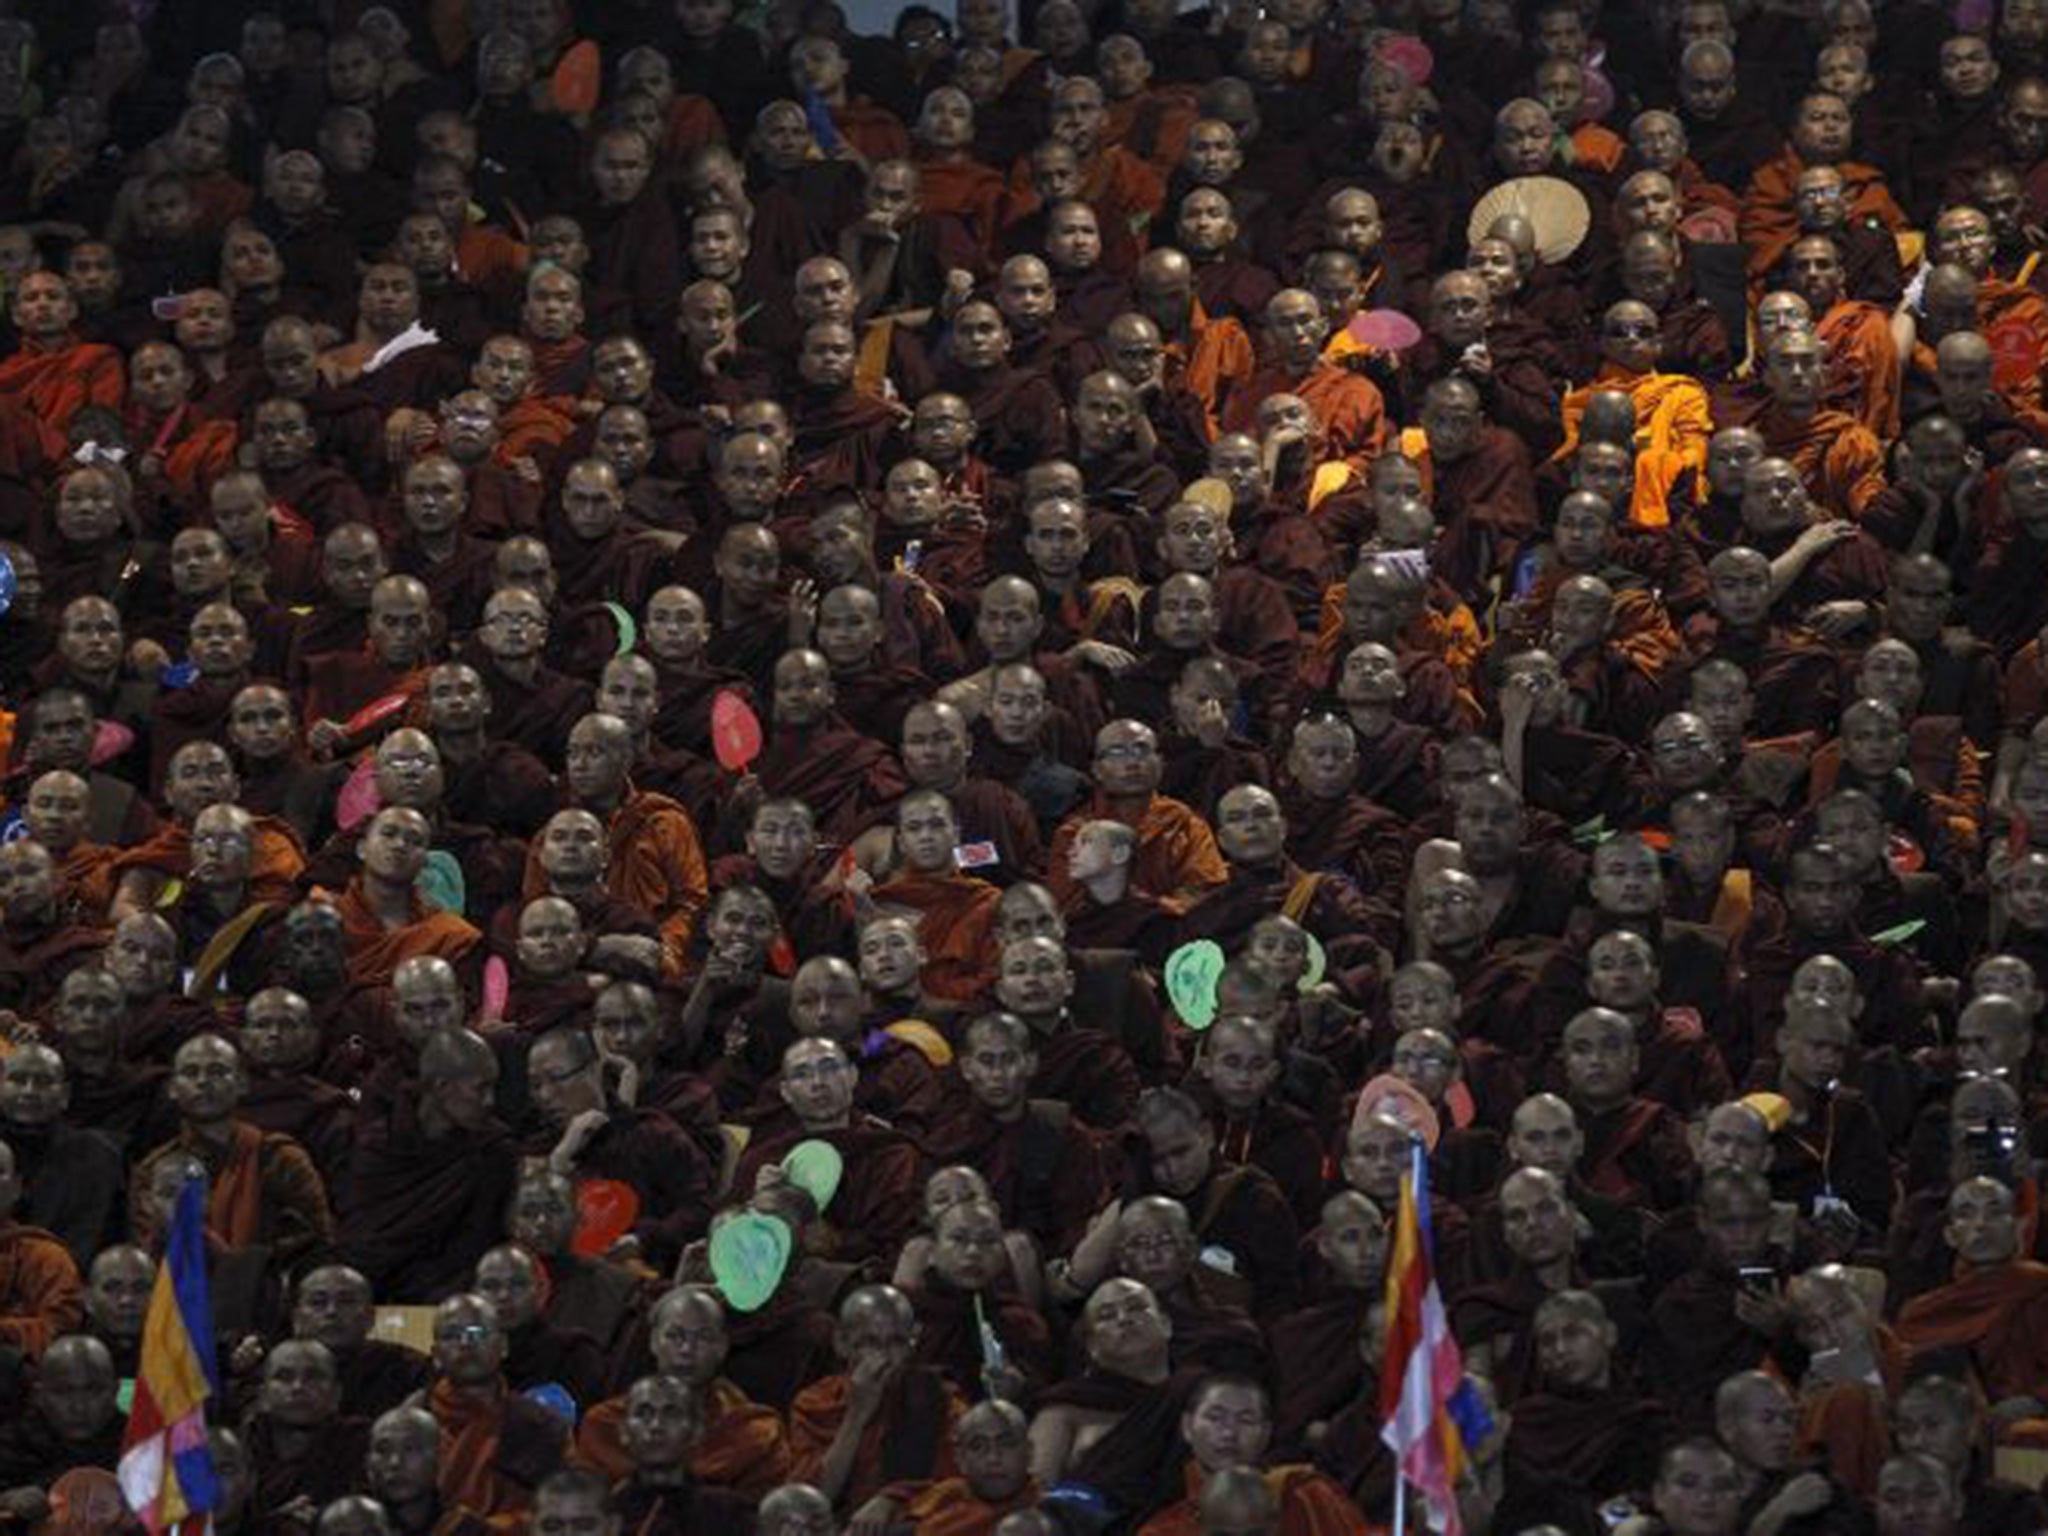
{"x":1430,"y":1414}
{"x":166,"y":1470}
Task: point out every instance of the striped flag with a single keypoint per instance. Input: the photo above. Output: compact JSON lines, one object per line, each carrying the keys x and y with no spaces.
{"x":166,"y":1469}
{"x":1430,"y":1414}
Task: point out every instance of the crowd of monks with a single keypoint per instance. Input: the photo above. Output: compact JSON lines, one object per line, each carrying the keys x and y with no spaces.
{"x":797,"y":763}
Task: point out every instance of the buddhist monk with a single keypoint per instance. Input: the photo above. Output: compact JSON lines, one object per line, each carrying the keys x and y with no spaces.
{"x":1995,"y":1308}
{"x":1176,"y":851}
{"x":496,"y":1446}
{"x":742,"y":1445}
{"x":1672,"y":418}
{"x":429,"y":1158}
{"x":991,"y":1446}
{"x":874,"y":1206}
{"x":1348,"y":405}
{"x":40,"y":1293}
{"x":385,"y":921}
{"x":265,"y":1188}
{"x":1228,"y":1424}
{"x":956,"y":910}
{"x":53,"y":372}
{"x":882,"y":1420}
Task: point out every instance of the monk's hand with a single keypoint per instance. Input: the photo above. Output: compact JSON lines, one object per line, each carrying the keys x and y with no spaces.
{"x":803,"y":611}
{"x":1476,"y":361}
{"x":16,"y":1030}
{"x":525,"y":468}
{"x":1806,"y":1494}
{"x":1837,"y":1230}
{"x":325,"y":739}
{"x":874,"y":1517}
{"x":1819,"y":538}
{"x":298,"y":1515}
{"x":866,"y":1386}
{"x":575,"y":1137}
{"x":963,"y":514}
{"x":1099,"y":653}
{"x":406,"y":432}
{"x":1212,"y":726}
{"x":1095,"y":1252}
{"x":1764,"y":1312}
{"x":1971,"y":487}
{"x":959,"y":289}
{"x":247,"y":1356}
{"x":1838,"y":620}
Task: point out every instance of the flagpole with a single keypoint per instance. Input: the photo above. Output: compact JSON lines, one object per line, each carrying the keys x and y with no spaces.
{"x":1400,"y":1505}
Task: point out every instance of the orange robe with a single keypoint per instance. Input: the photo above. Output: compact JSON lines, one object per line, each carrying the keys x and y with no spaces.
{"x":265,"y":1191}
{"x":40,"y":1295}
{"x":1597,"y":148}
{"x":743,"y":1446}
{"x":1838,"y":457}
{"x":1454,"y":635}
{"x":1999,"y":1314}
{"x":1673,"y":424}
{"x":1176,"y":855}
{"x":1863,"y":363}
{"x":375,"y":951}
{"x":275,"y":862}
{"x":2016,"y":325}
{"x":56,"y":385}
{"x":487,"y":256}
{"x":814,"y":1418}
{"x":956,"y":924}
{"x":1124,"y":184}
{"x":1154,"y":125}
{"x":1847,"y":1425}
{"x":1311,"y":1504}
{"x":1351,"y":410}
{"x":537,"y":422}
{"x":86,"y":871}
{"x":692,"y":120}
{"x":950,"y":1507}
{"x":873,"y":130}
{"x":1769,"y":225}
{"x":966,"y":190}
{"x":657,"y":865}
{"x":1214,"y":365}
{"x":470,"y":1429}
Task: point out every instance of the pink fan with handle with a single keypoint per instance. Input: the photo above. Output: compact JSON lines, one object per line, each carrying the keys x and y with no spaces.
{"x":735,"y":732}
{"x":1384,"y":330}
